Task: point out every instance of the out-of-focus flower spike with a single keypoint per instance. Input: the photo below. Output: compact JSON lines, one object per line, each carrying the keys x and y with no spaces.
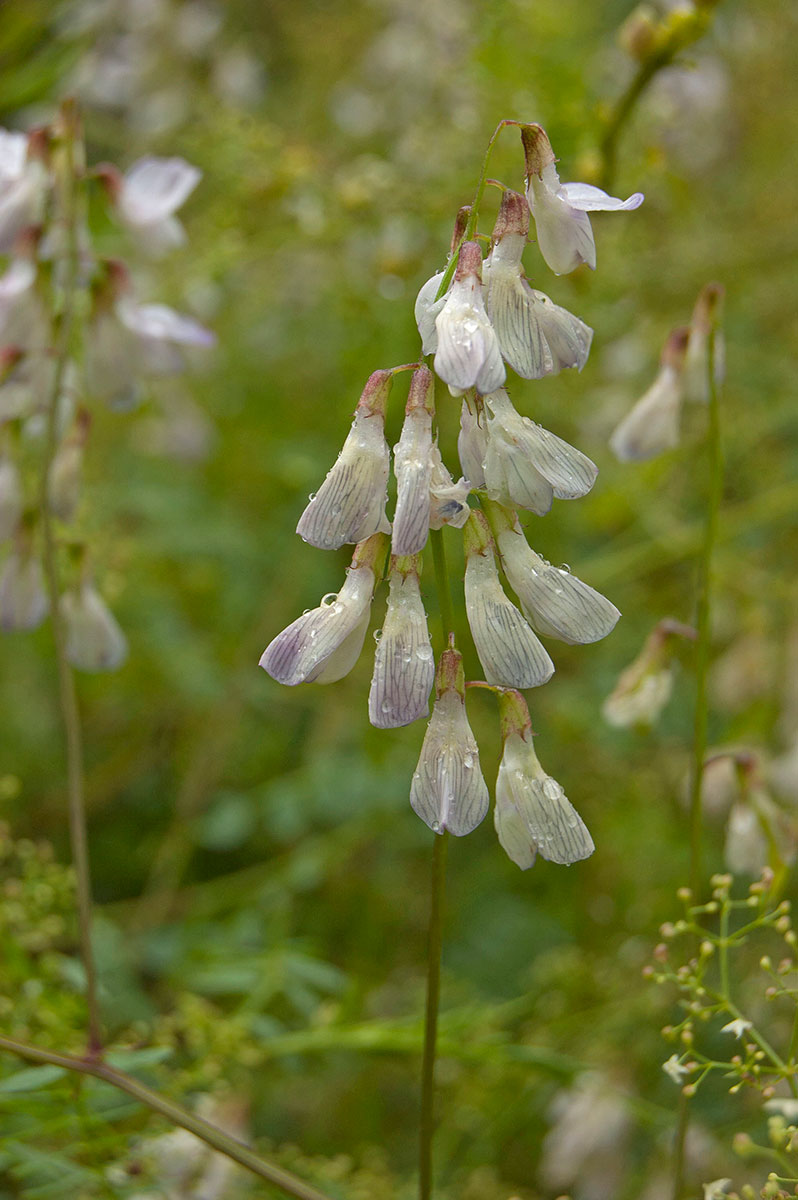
{"x":652,"y":425}
{"x":472,"y":441}
{"x":510,"y":654}
{"x":64,"y":482}
{"x":533,"y":815}
{"x":468,"y":353}
{"x":428,"y":303}
{"x":324,"y":644}
{"x":644,"y":687}
{"x":536,"y":336}
{"x":556,"y":603}
{"x":705,"y":323}
{"x":23,"y":599}
{"x":448,"y":500}
{"x":147,"y":196}
{"x":448,"y":791}
{"x":350,"y":504}
{"x":10,"y":494}
{"x":560,"y":209}
{"x":404,"y":664}
{"x":94,"y":640}
{"x":413,"y":467}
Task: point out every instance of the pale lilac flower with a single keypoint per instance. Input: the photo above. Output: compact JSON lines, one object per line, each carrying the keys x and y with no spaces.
{"x":472,"y":444}
{"x":536,"y":336}
{"x":413,"y":468}
{"x":23,"y":181}
{"x":560,"y":209}
{"x":448,"y":500}
{"x":94,"y":640}
{"x":468,"y":352}
{"x":532,"y":814}
{"x":448,"y":791}
{"x":510,"y":654}
{"x":556,"y":603}
{"x":10,"y":496}
{"x":147,"y":196}
{"x":350,"y":504}
{"x":404,"y":664}
{"x":652,"y":425}
{"x":23,"y":599}
{"x":324,"y":644}
{"x":526,"y":465}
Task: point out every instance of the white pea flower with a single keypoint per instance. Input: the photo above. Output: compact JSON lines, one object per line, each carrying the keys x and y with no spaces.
{"x":147,"y":196}
{"x":556,"y":603}
{"x":526,"y":465}
{"x":560,"y":210}
{"x":532,"y":814}
{"x":510,"y":654}
{"x":10,"y":496}
{"x":324,"y":644}
{"x":426,"y":311}
{"x":472,"y":444}
{"x":23,"y":599}
{"x":468,"y":353}
{"x":404,"y":664}
{"x":23,"y":322}
{"x":23,"y":181}
{"x":536,"y":336}
{"x":94,"y":640}
{"x":645,"y":686}
{"x":652,"y":425}
{"x":350,"y":504}
{"x":413,"y":468}
{"x":448,"y":500}
{"x":448,"y":791}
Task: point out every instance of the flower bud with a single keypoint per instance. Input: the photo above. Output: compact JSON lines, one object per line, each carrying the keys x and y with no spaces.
{"x":468,"y":353}
{"x":413,"y":468}
{"x":23,"y":599}
{"x":639,"y":34}
{"x":94,"y":640}
{"x":404,"y":664}
{"x":448,"y":791}
{"x":350,"y":504}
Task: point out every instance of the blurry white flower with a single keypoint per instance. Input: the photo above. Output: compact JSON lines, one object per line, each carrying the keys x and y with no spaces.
{"x":554,"y":601}
{"x":23,"y":599}
{"x":149,"y":194}
{"x":404,"y":664}
{"x":644,"y":687}
{"x":64,"y":479}
{"x":510,"y":654}
{"x":468,"y":353}
{"x":532,"y":814}
{"x":472,"y":444}
{"x":674,"y":1069}
{"x":526,"y":465}
{"x":560,"y":209}
{"x":738,"y":1027}
{"x":448,"y":500}
{"x":10,"y":496}
{"x":746,"y":848}
{"x":717,"y":1189}
{"x":350,"y":504}
{"x":324,"y":643}
{"x":586,"y":1143}
{"x":785,"y":1107}
{"x":536,"y":336}
{"x":448,"y":791}
{"x":413,"y":467}
{"x":23,"y":180}
{"x":783,"y":774}
{"x":22,"y":320}
{"x":652,"y":425}
{"x":94,"y":640}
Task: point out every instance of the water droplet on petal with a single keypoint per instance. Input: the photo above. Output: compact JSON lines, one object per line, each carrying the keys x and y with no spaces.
{"x":312,"y":497}
{"x":386,"y":706}
{"x":329,"y":599}
{"x":377,"y":634}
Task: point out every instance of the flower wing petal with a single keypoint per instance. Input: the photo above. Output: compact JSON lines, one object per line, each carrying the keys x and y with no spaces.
{"x":586,"y":198}
{"x":510,"y":654}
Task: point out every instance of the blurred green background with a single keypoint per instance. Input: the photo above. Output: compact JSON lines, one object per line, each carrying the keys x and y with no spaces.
{"x":261,"y":879}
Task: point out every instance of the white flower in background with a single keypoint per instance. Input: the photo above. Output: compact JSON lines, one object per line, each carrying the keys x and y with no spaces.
{"x":717,"y":1189}
{"x":94,"y":640}
{"x":555,"y":602}
{"x":23,"y":599}
{"x":510,"y":653}
{"x":448,"y":791}
{"x":22,"y":320}
{"x":472,"y":444}
{"x":468,"y":352}
{"x":785,"y":1106}
{"x":536,"y":336}
{"x":645,"y":686}
{"x":532,"y":814}
{"x":526,"y":465}
{"x":350,"y":504}
{"x":413,"y":467}
{"x":746,"y":848}
{"x":324,"y":644}
{"x":652,"y":425}
{"x":148,"y":195}
{"x":404,"y":664}
{"x":560,"y":210}
{"x":674,"y":1069}
{"x":23,"y":180}
{"x":586,"y":1143}
{"x":448,"y":500}
{"x":10,"y":496}
{"x":738,"y":1027}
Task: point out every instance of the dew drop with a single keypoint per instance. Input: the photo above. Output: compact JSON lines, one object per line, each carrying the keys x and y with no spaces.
{"x":424,"y":653}
{"x":435,"y":826}
{"x":386,"y":706}
{"x":468,"y":761}
{"x":377,"y":634}
{"x":406,"y":658}
{"x":312,"y":497}
{"x":329,"y":599}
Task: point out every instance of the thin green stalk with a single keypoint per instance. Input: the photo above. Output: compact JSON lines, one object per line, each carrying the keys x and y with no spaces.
{"x":622,"y":111}
{"x":63,"y":322}
{"x":208,"y":1133}
{"x":715,"y":464}
{"x":434,"y":945}
{"x":679,"y":1143}
{"x":442,"y":585}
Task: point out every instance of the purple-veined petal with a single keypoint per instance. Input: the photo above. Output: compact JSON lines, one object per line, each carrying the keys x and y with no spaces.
{"x":510,"y":653}
{"x":448,"y":791}
{"x":404,"y":664}
{"x":472,"y":445}
{"x":350,"y":504}
{"x":413,"y":465}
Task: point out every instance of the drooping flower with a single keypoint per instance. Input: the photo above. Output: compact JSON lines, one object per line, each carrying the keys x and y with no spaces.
{"x":350,"y":504}
{"x":532,"y":814}
{"x":652,"y":425}
{"x":555,"y":602}
{"x":428,"y":303}
{"x":324,"y":644}
{"x":644,"y":687}
{"x":510,"y":653}
{"x":413,"y":467}
{"x":448,"y":500}
{"x":404,"y":664}
{"x":526,"y":465}
{"x":448,"y":791}
{"x":536,"y":336}
{"x":468,"y":352}
{"x":22,"y":320}
{"x":148,"y":195}
{"x":23,"y":599}
{"x":23,"y":180}
{"x":472,"y":442}
{"x":94,"y":640}
{"x":560,"y":210}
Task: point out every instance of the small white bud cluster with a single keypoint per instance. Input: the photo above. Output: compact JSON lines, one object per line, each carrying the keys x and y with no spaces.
{"x":477,"y":319}
{"x":45,"y":400}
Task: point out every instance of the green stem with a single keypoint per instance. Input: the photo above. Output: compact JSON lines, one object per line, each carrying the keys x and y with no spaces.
{"x":622,"y":111}
{"x":442,"y":584}
{"x":202,"y":1129}
{"x":435,"y":942}
{"x":63,"y":322}
{"x":679,"y":1143}
{"x":715,"y":454}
